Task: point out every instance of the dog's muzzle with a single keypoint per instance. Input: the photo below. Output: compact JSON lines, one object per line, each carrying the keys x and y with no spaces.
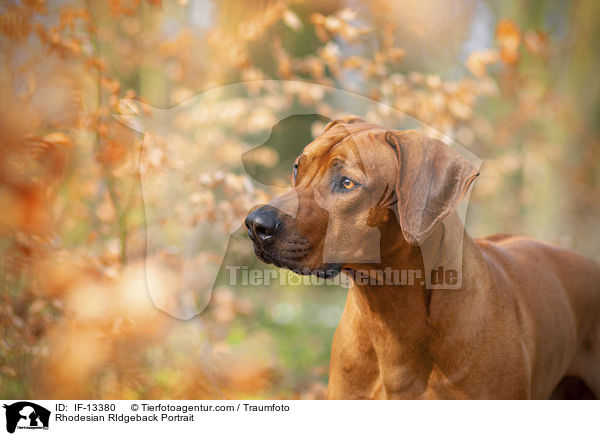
{"x":275,"y":241}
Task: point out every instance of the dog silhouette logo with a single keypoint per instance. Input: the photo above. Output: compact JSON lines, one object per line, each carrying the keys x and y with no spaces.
{"x":26,"y":415}
{"x":206,"y":162}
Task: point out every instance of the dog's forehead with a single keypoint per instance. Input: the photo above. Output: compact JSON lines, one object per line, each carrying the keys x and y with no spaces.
{"x":344,"y":137}
{"x":361,"y":145}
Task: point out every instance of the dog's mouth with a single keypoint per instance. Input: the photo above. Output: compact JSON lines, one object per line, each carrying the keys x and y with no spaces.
{"x":292,"y":255}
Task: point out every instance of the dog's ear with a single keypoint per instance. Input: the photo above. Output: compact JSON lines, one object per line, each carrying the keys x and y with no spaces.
{"x":432,"y":180}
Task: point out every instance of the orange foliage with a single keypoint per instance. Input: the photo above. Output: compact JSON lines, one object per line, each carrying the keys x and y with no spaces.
{"x":74,"y":303}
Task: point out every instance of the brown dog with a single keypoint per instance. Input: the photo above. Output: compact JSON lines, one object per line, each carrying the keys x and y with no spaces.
{"x":523,"y":316}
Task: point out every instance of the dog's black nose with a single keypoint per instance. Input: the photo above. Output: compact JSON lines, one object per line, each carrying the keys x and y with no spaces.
{"x":262,"y":223}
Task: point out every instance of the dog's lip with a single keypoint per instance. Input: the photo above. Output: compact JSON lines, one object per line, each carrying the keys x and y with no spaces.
{"x":326,"y":271}
{"x":267,"y":253}
{"x":288,"y":249}
{"x":264,"y":257}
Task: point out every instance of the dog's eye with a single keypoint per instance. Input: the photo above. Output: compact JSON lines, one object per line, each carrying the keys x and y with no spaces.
{"x":344,"y":185}
{"x":347,"y":184}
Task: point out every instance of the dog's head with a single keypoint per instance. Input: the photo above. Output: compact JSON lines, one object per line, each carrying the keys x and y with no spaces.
{"x":356,"y":188}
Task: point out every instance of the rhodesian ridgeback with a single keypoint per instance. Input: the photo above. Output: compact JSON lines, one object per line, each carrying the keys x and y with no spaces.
{"x":524,"y":318}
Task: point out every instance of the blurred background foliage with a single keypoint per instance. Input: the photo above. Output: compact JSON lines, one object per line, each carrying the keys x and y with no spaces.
{"x":515,"y":82}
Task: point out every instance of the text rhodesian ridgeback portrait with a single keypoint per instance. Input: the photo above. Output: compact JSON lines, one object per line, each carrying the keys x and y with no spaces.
{"x":523,"y":320}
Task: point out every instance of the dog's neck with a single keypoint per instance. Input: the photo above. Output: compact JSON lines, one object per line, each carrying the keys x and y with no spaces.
{"x":405,"y":322}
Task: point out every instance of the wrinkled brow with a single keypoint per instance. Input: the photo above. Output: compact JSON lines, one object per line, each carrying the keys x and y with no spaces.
{"x":312,"y":160}
{"x":336,"y":162}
